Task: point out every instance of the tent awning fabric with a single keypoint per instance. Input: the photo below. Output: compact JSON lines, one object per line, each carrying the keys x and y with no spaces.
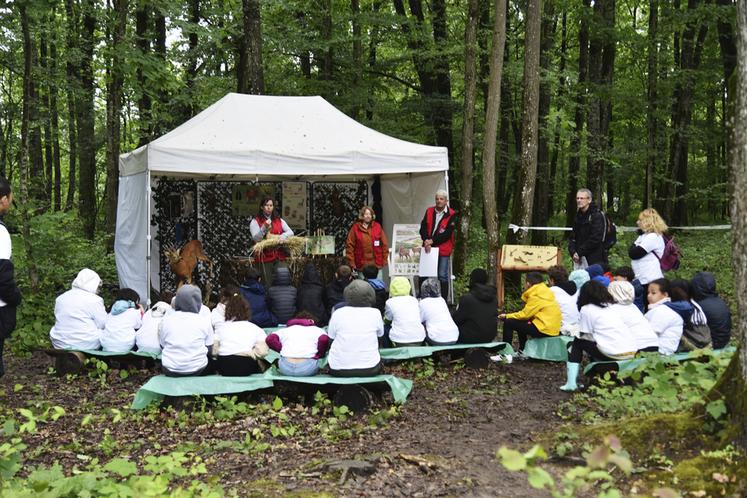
{"x":247,"y":135}
{"x":252,"y":137}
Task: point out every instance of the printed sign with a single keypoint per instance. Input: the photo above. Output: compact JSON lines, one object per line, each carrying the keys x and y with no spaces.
{"x":406,"y":246}
{"x":528,"y":257}
{"x":294,"y":204}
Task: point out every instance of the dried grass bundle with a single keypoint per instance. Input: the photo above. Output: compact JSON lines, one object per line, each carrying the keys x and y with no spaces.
{"x":294,"y":246}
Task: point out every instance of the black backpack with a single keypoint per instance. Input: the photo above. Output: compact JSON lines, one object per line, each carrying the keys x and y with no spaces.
{"x":609,"y":238}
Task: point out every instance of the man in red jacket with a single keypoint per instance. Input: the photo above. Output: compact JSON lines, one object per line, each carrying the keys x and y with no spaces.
{"x":437,"y":230}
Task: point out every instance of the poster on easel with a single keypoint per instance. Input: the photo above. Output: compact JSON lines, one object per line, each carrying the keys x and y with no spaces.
{"x":406,"y":246}
{"x":295,"y":202}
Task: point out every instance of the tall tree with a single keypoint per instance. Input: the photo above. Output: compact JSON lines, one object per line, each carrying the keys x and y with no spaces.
{"x":251,"y":77}
{"x":86,"y":122}
{"x":142,"y":42}
{"x":72,"y":61}
{"x":579,"y":113}
{"x":651,"y":93}
{"x":113,"y":111}
{"x":558,"y":124}
{"x":54,"y":118}
{"x":492,"y":114}
{"x":468,"y":128}
{"x":524,"y":198}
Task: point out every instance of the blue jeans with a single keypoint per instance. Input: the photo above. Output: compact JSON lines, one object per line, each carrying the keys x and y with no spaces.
{"x":305,"y":368}
{"x":443,"y":268}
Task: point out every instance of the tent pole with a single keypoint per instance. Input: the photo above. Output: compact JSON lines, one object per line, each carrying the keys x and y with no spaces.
{"x":147,"y":237}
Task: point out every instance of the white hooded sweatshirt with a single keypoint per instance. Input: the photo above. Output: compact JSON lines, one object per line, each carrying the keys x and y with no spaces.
{"x":79,"y":314}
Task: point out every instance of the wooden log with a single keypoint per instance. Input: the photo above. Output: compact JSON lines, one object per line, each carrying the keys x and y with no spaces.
{"x":354,"y":396}
{"x":69,"y":362}
{"x":476,"y":358}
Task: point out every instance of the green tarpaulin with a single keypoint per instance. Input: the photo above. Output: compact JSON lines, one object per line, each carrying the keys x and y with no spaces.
{"x":632,"y":364}
{"x":99,"y":353}
{"x":407,"y":353}
{"x":159,"y":386}
{"x":548,"y":348}
{"x":400,"y":387}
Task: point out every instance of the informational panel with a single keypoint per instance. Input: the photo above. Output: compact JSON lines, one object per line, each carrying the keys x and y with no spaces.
{"x":246,"y":199}
{"x":295,"y":204}
{"x":528,"y":257}
{"x":406,"y":246}
{"x":429,"y":263}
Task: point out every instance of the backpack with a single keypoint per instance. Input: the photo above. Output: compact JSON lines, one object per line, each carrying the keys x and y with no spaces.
{"x":609,"y":238}
{"x":670,"y":260}
{"x":696,"y":334}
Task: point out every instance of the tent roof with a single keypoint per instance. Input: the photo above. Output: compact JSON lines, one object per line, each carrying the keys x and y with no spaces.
{"x":249,"y":135}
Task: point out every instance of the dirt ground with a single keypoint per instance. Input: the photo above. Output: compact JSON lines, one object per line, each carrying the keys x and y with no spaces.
{"x":442,"y":442}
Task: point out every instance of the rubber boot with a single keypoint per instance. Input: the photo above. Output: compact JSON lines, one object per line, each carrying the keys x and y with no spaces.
{"x":572,"y":373}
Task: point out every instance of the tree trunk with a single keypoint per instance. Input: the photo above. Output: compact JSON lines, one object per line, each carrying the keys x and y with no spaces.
{"x":545,"y":182}
{"x":524,"y":198}
{"x":114,"y":109}
{"x":142,"y":43}
{"x":734,"y":381}
{"x":492,"y":114}
{"x":443,"y":111}
{"x":561,"y":93}
{"x":161,"y":117}
{"x":574,"y":162}
{"x":54,"y":118}
{"x":468,"y":131}
{"x":651,"y":121}
{"x":45,"y":84}
{"x":252,"y":79}
{"x":28,"y":59}
{"x":86,"y":125}
{"x":692,"y":43}
{"x":71,"y":64}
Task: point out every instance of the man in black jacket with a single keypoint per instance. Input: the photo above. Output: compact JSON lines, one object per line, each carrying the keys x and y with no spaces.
{"x":586,"y":244}
{"x":10,"y":296}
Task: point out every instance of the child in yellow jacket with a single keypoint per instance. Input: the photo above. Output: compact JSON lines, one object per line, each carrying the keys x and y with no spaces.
{"x":540,"y":316}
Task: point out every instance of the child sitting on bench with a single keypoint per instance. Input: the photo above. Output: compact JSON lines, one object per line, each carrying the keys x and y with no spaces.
{"x":440,"y":328}
{"x":79,"y":314}
{"x":300,"y":345}
{"x":124,"y":319}
{"x":184,"y":336}
{"x":667,"y":318}
{"x":146,"y":338}
{"x":540,"y":316}
{"x":354,"y":330}
{"x":238,"y":343}
{"x":645,"y":338}
{"x":403,"y":312}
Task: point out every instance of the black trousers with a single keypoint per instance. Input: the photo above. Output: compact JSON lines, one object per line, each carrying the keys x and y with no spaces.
{"x":357,"y":372}
{"x":237,"y":366}
{"x":581,"y":346}
{"x":523,"y":328}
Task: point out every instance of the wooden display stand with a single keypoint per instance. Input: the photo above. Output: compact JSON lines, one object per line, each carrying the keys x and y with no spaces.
{"x":524,"y":259}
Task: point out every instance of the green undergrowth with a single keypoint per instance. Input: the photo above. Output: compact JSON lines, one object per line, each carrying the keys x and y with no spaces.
{"x":673,"y":427}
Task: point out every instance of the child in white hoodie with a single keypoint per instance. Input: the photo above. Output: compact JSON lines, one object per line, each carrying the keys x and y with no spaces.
{"x":79,"y":314}
{"x":124,"y":319}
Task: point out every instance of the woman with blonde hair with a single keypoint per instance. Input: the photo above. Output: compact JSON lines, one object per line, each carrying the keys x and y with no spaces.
{"x":366,"y":243}
{"x":648,"y":248}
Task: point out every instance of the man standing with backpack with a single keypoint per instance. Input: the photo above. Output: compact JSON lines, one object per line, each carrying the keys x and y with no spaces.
{"x":588,"y":242}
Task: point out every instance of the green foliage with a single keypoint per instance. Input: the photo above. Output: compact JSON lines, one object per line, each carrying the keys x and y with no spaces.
{"x":60,"y":252}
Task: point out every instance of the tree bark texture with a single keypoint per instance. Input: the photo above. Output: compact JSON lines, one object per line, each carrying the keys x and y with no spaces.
{"x":86,"y":126}
{"x":54,"y":119}
{"x":561,"y":93}
{"x":651,"y":121}
{"x":468,"y":130}
{"x":252,"y":79}
{"x":524,"y":198}
{"x":492,"y":115}
{"x":72,"y":61}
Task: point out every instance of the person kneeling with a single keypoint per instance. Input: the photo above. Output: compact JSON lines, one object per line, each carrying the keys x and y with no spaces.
{"x":300,"y":345}
{"x":604,"y":335}
{"x":354,"y":330}
{"x":440,"y":328}
{"x":185,"y":337}
{"x":238,"y":342}
{"x":540,"y":316}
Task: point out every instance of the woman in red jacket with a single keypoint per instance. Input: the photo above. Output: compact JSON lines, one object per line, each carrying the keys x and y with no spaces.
{"x":366,"y":243}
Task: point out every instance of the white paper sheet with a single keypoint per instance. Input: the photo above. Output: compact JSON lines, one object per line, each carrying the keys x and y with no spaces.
{"x":429,"y":263}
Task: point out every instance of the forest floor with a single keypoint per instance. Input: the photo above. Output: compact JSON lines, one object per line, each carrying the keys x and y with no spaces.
{"x":441,"y":442}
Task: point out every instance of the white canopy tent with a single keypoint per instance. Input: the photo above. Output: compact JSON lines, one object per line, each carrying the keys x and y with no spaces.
{"x":250,"y":138}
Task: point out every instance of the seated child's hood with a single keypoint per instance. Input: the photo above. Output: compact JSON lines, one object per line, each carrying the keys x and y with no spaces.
{"x":121,"y":306}
{"x":188,"y":298}
{"x":87,"y":280}
{"x":538,"y":291}
{"x":704,"y":285}
{"x":399,"y":286}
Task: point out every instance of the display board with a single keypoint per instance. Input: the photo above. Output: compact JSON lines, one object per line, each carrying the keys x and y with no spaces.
{"x":524,"y":259}
{"x":295,"y":205}
{"x":406,"y":246}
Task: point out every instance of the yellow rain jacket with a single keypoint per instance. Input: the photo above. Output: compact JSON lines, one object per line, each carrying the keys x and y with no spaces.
{"x":541,"y":308}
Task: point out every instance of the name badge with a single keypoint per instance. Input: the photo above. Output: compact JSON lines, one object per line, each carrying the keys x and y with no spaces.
{"x":377,"y":243}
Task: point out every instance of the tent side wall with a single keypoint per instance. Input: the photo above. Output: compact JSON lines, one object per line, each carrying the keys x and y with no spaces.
{"x":130,"y":243}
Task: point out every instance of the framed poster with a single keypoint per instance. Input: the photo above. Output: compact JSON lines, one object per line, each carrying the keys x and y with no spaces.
{"x":245,"y":199}
{"x":406,"y":246}
{"x":295,"y":204}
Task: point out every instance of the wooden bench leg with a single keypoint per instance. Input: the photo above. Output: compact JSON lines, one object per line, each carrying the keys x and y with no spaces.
{"x":476,"y":358}
{"x":355,"y":397}
{"x":69,"y":363}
